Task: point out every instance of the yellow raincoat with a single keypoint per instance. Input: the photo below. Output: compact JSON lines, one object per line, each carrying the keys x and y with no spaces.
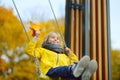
{"x":49,"y":59}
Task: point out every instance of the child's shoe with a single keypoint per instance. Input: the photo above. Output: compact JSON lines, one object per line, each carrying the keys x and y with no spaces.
{"x":91,"y":68}
{"x":80,"y":66}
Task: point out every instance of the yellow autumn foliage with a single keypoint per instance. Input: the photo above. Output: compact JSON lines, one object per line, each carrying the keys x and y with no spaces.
{"x":11,"y":30}
{"x":115,"y":65}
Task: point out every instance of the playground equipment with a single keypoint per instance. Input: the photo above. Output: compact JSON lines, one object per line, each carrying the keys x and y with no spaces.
{"x":88,"y":32}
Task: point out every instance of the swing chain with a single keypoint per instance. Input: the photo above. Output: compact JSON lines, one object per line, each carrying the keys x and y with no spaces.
{"x":38,"y":71}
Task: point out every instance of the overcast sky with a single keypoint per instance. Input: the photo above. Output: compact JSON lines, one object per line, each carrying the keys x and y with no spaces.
{"x":40,"y":9}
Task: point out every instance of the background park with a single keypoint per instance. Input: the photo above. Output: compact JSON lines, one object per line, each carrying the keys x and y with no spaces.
{"x":15,"y":64}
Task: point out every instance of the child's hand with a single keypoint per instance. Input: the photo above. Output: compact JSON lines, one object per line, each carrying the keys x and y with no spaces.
{"x":35,"y":33}
{"x":67,"y":50}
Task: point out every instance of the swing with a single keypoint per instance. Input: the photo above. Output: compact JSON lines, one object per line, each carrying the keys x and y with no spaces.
{"x":41,"y":76}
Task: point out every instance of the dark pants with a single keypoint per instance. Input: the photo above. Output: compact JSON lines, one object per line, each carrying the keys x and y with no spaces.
{"x":63,"y":71}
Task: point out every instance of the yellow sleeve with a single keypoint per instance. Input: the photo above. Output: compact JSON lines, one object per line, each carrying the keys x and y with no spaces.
{"x":32,"y":50}
{"x":73,"y":57}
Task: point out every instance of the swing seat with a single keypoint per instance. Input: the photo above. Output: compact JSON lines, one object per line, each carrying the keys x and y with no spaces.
{"x":44,"y":77}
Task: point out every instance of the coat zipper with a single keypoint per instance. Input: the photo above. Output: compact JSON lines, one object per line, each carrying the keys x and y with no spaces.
{"x":57,"y":59}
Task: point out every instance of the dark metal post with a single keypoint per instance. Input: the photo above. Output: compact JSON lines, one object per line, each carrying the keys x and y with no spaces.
{"x":67,"y":23}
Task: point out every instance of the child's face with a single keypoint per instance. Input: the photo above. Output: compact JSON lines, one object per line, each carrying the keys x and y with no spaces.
{"x":54,"y":38}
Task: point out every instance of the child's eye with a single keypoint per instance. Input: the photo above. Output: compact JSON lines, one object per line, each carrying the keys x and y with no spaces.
{"x":53,"y":37}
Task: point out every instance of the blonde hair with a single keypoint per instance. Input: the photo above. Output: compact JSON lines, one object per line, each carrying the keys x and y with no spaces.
{"x":49,"y":34}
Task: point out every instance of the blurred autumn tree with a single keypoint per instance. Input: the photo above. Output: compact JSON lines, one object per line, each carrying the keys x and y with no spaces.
{"x":20,"y":66}
{"x":12,"y":42}
{"x":115,"y":65}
